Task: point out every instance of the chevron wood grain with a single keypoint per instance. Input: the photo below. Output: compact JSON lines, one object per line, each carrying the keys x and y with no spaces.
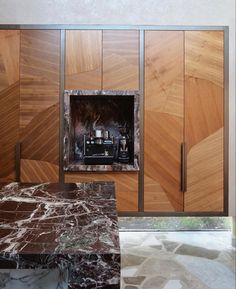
{"x":163,"y":120}
{"x":204,"y":115}
{"x":39,"y":108}
{"x":9,"y":130}
{"x":83,"y":59}
{"x":126,"y":186}
{"x":121,"y":59}
{"x":9,"y":101}
{"x":34,"y":171}
{"x":39,"y":72}
{"x":9,"y":57}
{"x":40,"y":140}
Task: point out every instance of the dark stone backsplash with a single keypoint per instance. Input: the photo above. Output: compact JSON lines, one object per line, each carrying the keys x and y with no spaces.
{"x":88,"y":110}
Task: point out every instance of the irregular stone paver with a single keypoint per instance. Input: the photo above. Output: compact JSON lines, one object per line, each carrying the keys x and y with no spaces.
{"x":186,"y":249}
{"x":173,"y":284}
{"x":211,"y":273}
{"x":131,"y":260}
{"x":213,"y":269}
{"x":159,"y":236}
{"x":170,"y":246}
{"x":189,"y":282}
{"x":154,"y":282}
{"x":151,"y":241}
{"x":143,"y":251}
{"x":160,"y":267}
{"x":157,"y":247}
{"x":129,"y":271}
{"x":134,"y":280}
{"x":228,"y":258}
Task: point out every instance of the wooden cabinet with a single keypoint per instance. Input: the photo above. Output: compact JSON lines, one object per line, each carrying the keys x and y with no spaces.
{"x":9,"y":101}
{"x":126,"y":186}
{"x":104,"y":60}
{"x":39,"y":105}
{"x":163,"y":122}
{"x":204,"y":120}
{"x":98,"y":59}
{"x":184,"y":104}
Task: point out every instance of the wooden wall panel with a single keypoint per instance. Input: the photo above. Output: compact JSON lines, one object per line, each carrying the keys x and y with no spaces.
{"x":163,"y":120}
{"x":83,"y":61}
{"x":39,"y":72}
{"x":121,"y":59}
{"x":204,"y":114}
{"x":39,"y":101}
{"x":34,"y":171}
{"x":9,"y":101}
{"x":126,"y":186}
{"x":40,"y":142}
{"x":205,"y":175}
{"x":9,"y":57}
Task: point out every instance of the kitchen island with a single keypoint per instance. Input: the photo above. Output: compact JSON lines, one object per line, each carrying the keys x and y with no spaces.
{"x":68,"y":230}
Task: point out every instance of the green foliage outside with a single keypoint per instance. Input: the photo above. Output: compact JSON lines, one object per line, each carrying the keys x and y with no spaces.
{"x":175,"y":223}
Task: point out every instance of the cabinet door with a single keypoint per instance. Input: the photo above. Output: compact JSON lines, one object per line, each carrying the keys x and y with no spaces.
{"x":126,"y":186}
{"x":83,"y":62}
{"x":204,"y":118}
{"x":163,"y":120}
{"x":39,"y":105}
{"x":9,"y":101}
{"x":121,"y":59}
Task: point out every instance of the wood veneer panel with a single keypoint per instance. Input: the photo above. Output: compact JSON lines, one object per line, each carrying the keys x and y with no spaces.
{"x":163,"y":120}
{"x":34,"y":171}
{"x":121,"y":59}
{"x":9,"y":102}
{"x":205,"y":175}
{"x":41,"y":137}
{"x":9,"y":57}
{"x":83,"y":61}
{"x":126,"y":186}
{"x":39,"y":72}
{"x":39,"y":104}
{"x":9,"y":131}
{"x":204,"y":114}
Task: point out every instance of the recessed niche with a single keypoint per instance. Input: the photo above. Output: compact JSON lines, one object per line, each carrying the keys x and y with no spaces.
{"x":101,"y":130}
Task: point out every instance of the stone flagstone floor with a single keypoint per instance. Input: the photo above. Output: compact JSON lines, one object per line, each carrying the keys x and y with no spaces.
{"x":177,"y":260}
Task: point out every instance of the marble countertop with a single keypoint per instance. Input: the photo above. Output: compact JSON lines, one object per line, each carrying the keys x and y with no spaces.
{"x":51,"y":225}
{"x":115,"y":167}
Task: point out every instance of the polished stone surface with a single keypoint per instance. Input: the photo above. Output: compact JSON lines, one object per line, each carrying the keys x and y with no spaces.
{"x":33,"y":279}
{"x":177,"y":260}
{"x":71,"y":227}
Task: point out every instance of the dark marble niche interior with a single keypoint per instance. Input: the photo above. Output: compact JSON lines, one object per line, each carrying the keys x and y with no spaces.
{"x":101,"y":131}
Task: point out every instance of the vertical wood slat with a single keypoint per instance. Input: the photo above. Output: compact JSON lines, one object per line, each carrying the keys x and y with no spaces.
{"x":163,"y":120}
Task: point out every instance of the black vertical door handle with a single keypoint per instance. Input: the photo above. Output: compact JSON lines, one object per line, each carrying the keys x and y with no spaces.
{"x":183,"y":182}
{"x":17,"y":161}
